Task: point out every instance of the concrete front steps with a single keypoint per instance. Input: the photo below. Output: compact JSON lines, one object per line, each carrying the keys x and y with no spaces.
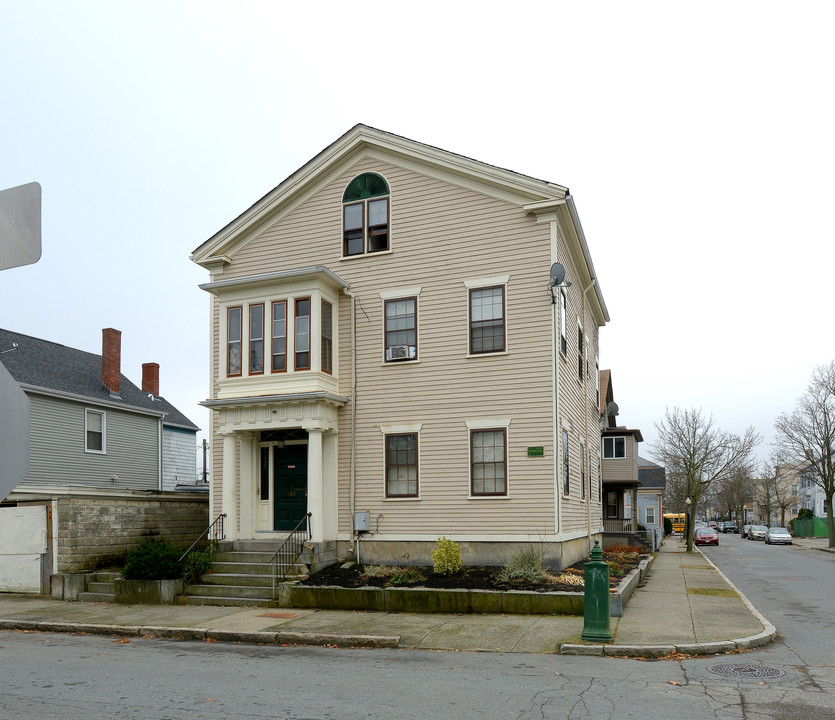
{"x":241,"y":573}
{"x":99,"y":587}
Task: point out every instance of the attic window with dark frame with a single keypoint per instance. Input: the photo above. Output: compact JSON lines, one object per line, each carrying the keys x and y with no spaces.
{"x":365,"y":215}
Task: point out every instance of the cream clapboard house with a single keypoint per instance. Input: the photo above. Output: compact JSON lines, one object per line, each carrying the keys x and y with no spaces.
{"x":384,"y":340}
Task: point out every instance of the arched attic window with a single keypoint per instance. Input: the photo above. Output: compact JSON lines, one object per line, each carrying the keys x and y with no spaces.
{"x":365,"y":215}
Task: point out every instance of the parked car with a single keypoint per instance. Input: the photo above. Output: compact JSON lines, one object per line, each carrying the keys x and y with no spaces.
{"x":711,"y":523}
{"x":706,"y":536}
{"x":745,"y":531}
{"x":730,"y":527}
{"x":757,"y":532}
{"x":778,"y":536}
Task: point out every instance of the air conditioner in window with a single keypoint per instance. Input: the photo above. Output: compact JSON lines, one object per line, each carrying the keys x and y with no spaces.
{"x":401,"y":352}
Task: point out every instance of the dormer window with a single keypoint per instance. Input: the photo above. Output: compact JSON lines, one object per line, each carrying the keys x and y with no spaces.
{"x":365,"y":215}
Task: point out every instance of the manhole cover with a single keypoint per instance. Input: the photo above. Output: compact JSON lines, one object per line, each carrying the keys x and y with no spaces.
{"x":745,"y":671}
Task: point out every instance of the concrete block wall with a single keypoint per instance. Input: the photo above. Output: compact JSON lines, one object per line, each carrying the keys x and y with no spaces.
{"x":94,"y":532}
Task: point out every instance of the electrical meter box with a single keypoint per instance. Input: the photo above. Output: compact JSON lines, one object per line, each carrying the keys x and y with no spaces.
{"x":362,"y":521}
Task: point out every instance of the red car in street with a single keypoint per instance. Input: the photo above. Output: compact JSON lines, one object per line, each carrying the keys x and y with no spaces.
{"x":706,"y":536}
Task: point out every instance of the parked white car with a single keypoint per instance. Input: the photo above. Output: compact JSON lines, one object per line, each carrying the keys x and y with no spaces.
{"x":778,"y":536}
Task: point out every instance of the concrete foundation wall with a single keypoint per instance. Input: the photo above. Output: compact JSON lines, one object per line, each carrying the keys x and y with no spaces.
{"x":556,"y":556}
{"x":93,"y":532}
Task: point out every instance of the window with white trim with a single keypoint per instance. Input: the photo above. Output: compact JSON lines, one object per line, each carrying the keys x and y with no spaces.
{"x":402,"y":465}
{"x":580,"y":353}
{"x":582,"y":471}
{"x":566,"y":481}
{"x":94,"y":431}
{"x":327,"y":337}
{"x":487,"y":320}
{"x":649,"y":515}
{"x":614,"y":448}
{"x":563,"y":322}
{"x":302,"y":335}
{"x":400,"y":329}
{"x":488,"y":462}
{"x":233,"y":340}
{"x":365,"y":215}
{"x":256,"y":339}
{"x":279,"y":336}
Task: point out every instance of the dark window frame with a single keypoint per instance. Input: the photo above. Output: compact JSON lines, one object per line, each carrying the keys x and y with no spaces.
{"x":563,"y":323}
{"x":502,"y":463}
{"x":230,"y":341}
{"x":326,"y":357}
{"x":566,"y":465}
{"x":484,"y":323}
{"x":274,"y":337}
{"x":250,"y":340}
{"x":387,"y":332}
{"x":296,"y":317}
{"x":395,"y":465}
{"x":365,"y":191}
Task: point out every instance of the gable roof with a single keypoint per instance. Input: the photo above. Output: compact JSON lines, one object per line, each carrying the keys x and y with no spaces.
{"x":535,"y":196}
{"x":54,"y":369}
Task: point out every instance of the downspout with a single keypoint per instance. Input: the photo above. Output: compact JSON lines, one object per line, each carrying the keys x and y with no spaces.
{"x":352,"y":492}
{"x":587,"y":489}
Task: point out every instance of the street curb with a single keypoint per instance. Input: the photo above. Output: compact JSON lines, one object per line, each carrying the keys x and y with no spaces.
{"x":202,"y":634}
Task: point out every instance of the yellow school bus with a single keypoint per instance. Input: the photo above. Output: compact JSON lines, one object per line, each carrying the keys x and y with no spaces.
{"x":677,"y":520}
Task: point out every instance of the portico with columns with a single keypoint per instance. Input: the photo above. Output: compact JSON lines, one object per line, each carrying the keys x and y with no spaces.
{"x":279,"y":460}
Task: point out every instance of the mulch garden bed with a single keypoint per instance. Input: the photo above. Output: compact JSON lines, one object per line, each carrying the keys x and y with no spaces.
{"x":468,"y":578}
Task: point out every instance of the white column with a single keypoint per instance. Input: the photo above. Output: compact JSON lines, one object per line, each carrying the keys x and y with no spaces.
{"x":229,"y":500}
{"x":315,"y":505}
{"x":330,"y":494}
{"x":247,"y":483}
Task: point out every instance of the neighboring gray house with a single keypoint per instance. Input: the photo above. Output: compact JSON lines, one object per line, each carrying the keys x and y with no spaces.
{"x":653,"y":479}
{"x":104,"y":459}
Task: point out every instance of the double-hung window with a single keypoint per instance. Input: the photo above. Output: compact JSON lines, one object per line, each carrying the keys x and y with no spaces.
{"x":279,"y":336}
{"x":401,"y":329}
{"x":563,"y":321}
{"x":566,"y":480}
{"x":327,"y":337}
{"x":365,"y":215}
{"x":614,"y":448}
{"x":401,"y":465}
{"x":488,"y":461}
{"x":580,"y":354}
{"x":649,"y":515}
{"x":94,"y":431}
{"x":302,"y":335}
{"x":233,"y":341}
{"x":487,"y":324}
{"x":256,"y":339}
{"x":582,"y":471}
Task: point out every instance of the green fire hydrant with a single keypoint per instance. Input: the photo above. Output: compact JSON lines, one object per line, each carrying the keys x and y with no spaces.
{"x":596,"y":598}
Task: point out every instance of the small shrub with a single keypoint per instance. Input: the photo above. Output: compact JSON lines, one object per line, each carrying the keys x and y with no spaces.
{"x":406,"y":576}
{"x":524,"y":565}
{"x":198,"y":562}
{"x":378,"y":571}
{"x":615,"y":569}
{"x":154,"y":559}
{"x":668,"y":526}
{"x":446,"y":557}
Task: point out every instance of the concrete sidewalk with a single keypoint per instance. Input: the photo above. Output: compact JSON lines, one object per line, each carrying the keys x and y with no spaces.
{"x":686,"y":605}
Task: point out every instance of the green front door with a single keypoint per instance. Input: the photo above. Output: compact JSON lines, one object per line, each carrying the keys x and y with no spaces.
{"x":289,"y":486}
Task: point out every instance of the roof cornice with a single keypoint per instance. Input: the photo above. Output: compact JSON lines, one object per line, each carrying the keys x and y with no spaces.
{"x":275,"y":399}
{"x":266,"y":278}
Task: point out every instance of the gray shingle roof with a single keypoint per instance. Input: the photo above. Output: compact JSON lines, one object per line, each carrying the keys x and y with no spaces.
{"x":52,"y":366}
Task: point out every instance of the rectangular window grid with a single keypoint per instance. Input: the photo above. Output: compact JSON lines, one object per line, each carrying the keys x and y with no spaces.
{"x":327,"y":337}
{"x":614,"y":448}
{"x":279,"y":336}
{"x":487,"y":320}
{"x":256,"y":339}
{"x":302,"y":336}
{"x":401,"y":329}
{"x":489,"y":462}
{"x":401,"y":465}
{"x":94,"y":431}
{"x":566,"y":481}
{"x":233,"y":341}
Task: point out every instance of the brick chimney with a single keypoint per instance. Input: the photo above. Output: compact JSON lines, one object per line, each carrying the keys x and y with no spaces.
{"x":111,"y":359}
{"x":150,"y":378}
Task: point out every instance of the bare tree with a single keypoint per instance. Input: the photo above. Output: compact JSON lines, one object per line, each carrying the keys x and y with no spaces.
{"x":700,"y":455}
{"x":734,"y":492}
{"x":807,"y":436}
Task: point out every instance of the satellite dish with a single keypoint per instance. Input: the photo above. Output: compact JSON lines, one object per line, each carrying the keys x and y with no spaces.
{"x":612,"y":409}
{"x":557,"y":274}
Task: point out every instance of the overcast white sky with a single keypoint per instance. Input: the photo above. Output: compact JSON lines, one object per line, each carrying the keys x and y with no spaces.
{"x":696,"y":139}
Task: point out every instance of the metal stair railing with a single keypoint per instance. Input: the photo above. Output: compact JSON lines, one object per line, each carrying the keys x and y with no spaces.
{"x":285,"y":557}
{"x":214,"y":533}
